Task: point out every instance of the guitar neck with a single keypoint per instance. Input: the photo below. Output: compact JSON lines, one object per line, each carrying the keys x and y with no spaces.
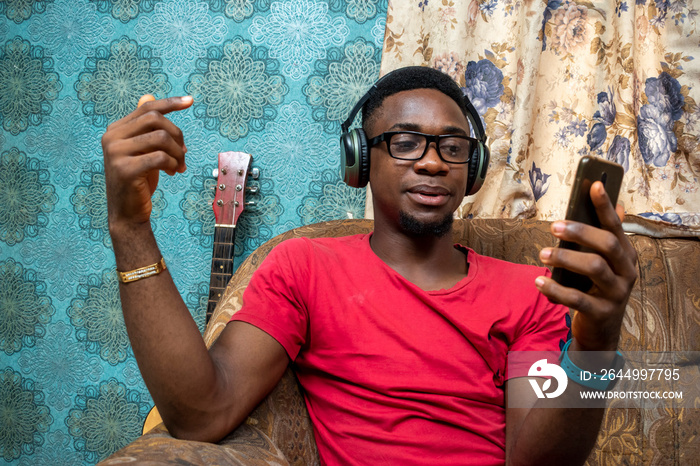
{"x":221,"y":265}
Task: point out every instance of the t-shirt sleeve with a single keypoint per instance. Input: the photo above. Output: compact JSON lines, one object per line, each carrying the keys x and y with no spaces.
{"x":544,"y":328}
{"x":275,"y":299}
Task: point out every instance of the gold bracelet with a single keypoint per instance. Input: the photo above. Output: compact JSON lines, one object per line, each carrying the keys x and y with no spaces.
{"x":142,"y":272}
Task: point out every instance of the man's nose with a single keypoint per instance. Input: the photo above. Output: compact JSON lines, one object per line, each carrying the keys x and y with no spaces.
{"x":431,"y":162}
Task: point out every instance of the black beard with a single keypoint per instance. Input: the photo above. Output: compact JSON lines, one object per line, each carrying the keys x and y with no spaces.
{"x":414,"y":227}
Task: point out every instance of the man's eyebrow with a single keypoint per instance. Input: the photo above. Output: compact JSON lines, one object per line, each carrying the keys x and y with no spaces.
{"x":417,"y":128}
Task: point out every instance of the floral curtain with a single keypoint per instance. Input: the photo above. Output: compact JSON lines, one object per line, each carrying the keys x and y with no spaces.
{"x":556,"y":80}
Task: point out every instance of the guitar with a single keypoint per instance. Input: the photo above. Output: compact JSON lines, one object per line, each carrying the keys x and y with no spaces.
{"x":229,"y":203}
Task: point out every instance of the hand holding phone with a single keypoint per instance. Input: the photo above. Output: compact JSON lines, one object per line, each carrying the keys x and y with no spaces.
{"x":581,"y":209}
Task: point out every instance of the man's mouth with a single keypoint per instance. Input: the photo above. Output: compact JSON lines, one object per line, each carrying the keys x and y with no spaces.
{"x":429,"y":195}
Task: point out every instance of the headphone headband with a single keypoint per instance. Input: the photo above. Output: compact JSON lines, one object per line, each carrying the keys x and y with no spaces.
{"x":358,"y":106}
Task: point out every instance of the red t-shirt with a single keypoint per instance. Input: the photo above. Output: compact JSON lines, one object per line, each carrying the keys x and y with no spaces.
{"x":393,"y":374}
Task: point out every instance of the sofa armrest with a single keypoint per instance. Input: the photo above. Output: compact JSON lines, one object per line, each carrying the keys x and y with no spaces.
{"x":244,"y":446}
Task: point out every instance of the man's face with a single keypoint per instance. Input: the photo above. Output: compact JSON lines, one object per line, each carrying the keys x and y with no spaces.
{"x":419,"y":196}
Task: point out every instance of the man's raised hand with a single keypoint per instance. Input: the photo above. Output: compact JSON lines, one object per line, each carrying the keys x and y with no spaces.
{"x":135,"y":149}
{"x":612,"y":268}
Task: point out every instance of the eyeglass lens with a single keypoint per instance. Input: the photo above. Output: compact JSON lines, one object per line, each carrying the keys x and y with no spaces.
{"x":410,"y":146}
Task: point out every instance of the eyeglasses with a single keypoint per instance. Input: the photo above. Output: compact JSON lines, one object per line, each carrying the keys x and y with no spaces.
{"x":410,"y":145}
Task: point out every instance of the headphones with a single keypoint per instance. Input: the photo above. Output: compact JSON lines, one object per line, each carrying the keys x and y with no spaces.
{"x":354,"y":150}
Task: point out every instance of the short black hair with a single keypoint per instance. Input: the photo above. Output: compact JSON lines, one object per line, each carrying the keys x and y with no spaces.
{"x":407,"y":79}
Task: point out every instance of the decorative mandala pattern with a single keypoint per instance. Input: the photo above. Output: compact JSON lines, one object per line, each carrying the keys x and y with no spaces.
{"x":125,"y":10}
{"x":115,"y":78}
{"x":340,"y":80}
{"x":239,"y":10}
{"x":65,"y":140}
{"x":89,"y":201}
{"x":27,"y":85}
{"x":70,"y":68}
{"x":182,"y":252}
{"x":283,"y":227}
{"x":24,"y":416}
{"x":295,"y":147}
{"x":64,"y":254}
{"x":57,"y":449}
{"x":59,"y":365}
{"x":197,"y":207}
{"x":132,"y":377}
{"x":26,"y":197}
{"x":19,"y":10}
{"x":297,"y":33}
{"x":24,"y":307}
{"x":232,"y":88}
{"x":197,"y":302}
{"x":106,"y":419}
{"x":70,"y":30}
{"x":96,"y":312}
{"x":361,"y":10}
{"x":180,"y":33}
{"x":158,"y":205}
{"x":255,"y":227}
{"x":378,"y":31}
{"x":331,"y":199}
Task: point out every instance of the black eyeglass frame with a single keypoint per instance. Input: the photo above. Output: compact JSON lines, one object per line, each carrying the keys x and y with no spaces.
{"x":386,"y":136}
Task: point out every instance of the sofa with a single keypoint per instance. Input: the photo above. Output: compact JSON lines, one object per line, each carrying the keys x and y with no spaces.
{"x":663,"y":314}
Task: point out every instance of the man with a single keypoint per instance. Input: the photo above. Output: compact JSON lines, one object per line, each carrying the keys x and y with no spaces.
{"x":399,"y":338}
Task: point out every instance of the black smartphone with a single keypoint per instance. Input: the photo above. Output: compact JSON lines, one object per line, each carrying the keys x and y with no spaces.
{"x":581,"y":209}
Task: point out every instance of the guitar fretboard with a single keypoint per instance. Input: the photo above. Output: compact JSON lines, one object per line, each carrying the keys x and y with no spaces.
{"x":221,"y":265}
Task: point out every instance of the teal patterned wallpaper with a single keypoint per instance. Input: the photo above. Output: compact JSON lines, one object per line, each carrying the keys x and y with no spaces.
{"x":273,"y":78}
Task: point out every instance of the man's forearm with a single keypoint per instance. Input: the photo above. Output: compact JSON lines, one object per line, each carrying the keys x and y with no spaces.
{"x":560,"y":430}
{"x":557,"y":435}
{"x":169,"y":349}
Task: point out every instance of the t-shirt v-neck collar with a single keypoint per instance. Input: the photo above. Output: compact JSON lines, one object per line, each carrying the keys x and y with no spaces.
{"x":472,"y":269}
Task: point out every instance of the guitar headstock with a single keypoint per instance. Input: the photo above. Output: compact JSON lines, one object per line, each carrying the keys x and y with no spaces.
{"x":231,"y":186}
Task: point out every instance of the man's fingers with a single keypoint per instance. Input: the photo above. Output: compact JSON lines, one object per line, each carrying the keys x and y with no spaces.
{"x":591,"y":265}
{"x":607,"y":214}
{"x":620,"y":211}
{"x":154,"y":141}
{"x":563,"y":295}
{"x":145,"y":98}
{"x":153,"y":161}
{"x":151,"y":122}
{"x":161,"y":140}
{"x":138,"y":135}
{"x":607,"y":244}
{"x":163,"y":106}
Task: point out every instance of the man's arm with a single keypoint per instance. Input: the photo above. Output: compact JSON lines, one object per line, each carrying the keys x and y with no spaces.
{"x":564,"y":435}
{"x":200,"y":395}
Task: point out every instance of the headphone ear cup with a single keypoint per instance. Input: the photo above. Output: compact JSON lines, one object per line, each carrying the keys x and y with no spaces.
{"x":478,"y":165}
{"x":354,"y":163}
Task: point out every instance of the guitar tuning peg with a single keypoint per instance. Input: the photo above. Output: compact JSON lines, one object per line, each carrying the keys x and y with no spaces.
{"x":252,"y":189}
{"x":254,"y":173}
{"x":250,"y":203}
{"x":215,"y":173}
